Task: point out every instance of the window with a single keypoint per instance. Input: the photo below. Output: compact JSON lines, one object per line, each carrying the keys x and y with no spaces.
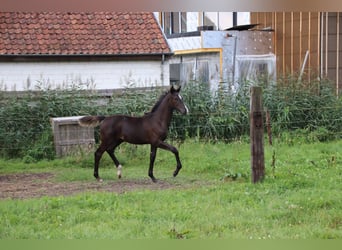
{"x":181,"y":22}
{"x":219,"y":20}
{"x":174,"y":22}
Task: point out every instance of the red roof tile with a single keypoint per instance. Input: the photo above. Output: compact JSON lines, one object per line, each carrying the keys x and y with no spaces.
{"x":93,"y":33}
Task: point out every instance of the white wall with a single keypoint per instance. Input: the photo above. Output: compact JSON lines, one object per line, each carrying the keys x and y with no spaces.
{"x":104,"y":74}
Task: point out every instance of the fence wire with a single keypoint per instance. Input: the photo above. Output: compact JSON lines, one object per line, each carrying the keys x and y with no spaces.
{"x":174,"y":127}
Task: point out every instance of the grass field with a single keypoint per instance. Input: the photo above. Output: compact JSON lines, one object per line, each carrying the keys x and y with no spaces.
{"x":211,"y":198}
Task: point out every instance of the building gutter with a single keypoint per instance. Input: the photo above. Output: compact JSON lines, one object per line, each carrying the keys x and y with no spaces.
{"x":88,"y":55}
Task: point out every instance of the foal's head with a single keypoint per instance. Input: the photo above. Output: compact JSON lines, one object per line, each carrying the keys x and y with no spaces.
{"x":176,"y":101}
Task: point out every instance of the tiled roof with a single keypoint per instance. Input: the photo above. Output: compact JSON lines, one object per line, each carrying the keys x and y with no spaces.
{"x":80,"y":33}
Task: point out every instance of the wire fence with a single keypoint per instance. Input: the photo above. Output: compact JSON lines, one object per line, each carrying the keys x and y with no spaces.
{"x":185,"y":125}
{"x":25,"y":127}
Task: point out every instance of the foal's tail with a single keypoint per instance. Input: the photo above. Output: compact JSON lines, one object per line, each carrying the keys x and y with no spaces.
{"x":91,"y":121}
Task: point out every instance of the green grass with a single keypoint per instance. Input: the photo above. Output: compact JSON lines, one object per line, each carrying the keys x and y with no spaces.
{"x":300,"y":197}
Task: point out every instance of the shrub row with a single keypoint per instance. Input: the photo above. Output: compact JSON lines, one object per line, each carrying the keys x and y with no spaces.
{"x":25,"y":128}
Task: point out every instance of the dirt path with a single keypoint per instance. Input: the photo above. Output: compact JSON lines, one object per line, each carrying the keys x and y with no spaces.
{"x":33,"y":185}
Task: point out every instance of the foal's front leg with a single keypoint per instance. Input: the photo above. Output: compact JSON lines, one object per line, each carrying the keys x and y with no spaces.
{"x":164,"y":145}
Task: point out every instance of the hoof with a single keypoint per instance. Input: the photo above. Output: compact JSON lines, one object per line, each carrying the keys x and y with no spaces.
{"x":119,"y":172}
{"x":175,"y":173}
{"x":99,"y":179}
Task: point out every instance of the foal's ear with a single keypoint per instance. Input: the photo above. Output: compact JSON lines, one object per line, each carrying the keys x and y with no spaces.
{"x":173,"y":89}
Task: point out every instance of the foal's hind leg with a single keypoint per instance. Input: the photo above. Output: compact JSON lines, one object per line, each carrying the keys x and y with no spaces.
{"x":110,"y":151}
{"x":152,"y":158}
{"x":98,"y":154}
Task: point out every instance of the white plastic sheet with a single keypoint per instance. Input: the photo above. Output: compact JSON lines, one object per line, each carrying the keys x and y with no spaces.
{"x":254,"y":69}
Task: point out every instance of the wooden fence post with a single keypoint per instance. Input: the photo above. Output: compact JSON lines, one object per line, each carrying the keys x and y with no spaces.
{"x":257,"y":135}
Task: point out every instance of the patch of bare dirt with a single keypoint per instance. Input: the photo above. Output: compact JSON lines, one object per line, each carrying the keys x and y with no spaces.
{"x":33,"y":185}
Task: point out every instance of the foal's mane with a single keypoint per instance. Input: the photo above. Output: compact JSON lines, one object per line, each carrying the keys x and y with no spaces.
{"x":155,"y":107}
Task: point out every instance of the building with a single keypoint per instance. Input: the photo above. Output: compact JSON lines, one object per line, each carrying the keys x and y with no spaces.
{"x":102,"y":50}
{"x":218,"y":48}
{"x":307,"y":43}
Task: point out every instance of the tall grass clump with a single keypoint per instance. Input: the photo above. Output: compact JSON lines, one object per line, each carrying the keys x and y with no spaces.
{"x":25,"y":128}
{"x":220,"y":115}
{"x":310,"y":108}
